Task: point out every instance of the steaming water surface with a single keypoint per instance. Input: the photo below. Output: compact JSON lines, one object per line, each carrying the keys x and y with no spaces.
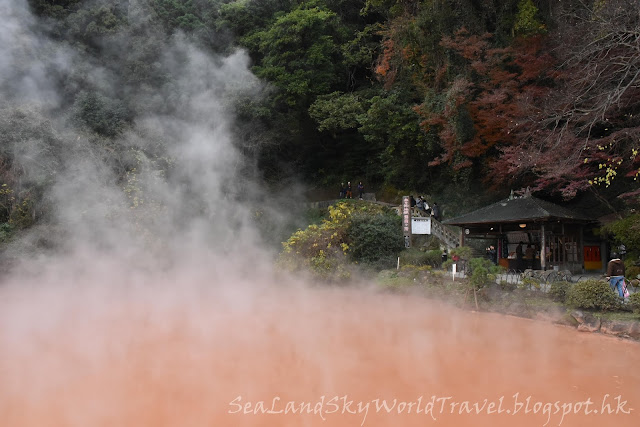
{"x":200,"y":353}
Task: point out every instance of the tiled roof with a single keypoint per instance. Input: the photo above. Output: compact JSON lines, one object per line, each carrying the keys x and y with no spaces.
{"x":520,"y":209}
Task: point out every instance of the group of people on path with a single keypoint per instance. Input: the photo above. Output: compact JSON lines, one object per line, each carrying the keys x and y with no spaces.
{"x":346,"y":191}
{"x":422,"y":204}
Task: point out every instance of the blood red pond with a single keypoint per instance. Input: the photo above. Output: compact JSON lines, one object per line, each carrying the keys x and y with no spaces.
{"x":244,"y":355}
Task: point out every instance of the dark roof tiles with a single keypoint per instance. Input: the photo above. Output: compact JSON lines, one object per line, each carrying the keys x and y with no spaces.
{"x":520,"y":209}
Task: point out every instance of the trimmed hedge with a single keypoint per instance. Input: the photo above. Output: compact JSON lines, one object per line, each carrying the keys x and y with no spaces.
{"x":634,"y":302}
{"x":593,"y":294}
{"x":558,"y":291}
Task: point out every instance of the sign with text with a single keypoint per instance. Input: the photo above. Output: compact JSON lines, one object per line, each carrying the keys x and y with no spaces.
{"x":421,"y":225}
{"x":406,"y":221}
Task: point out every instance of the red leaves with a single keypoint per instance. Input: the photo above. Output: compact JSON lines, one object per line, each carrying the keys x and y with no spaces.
{"x":494,"y":96}
{"x":469,"y":46}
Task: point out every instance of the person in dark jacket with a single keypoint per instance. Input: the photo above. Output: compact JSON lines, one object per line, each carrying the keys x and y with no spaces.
{"x":435,"y":211}
{"x":615,"y":274}
{"x":519,"y":256}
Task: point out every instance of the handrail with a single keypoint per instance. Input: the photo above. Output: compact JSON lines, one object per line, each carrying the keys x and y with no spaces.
{"x":444,"y":233}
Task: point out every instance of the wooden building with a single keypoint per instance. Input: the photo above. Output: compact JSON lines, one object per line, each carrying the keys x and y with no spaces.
{"x":552,"y":236}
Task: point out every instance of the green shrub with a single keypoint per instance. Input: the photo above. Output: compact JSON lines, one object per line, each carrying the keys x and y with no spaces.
{"x":634,"y":302}
{"x":314,"y":215}
{"x":22,"y":215}
{"x":434,"y":244}
{"x":530,"y":283}
{"x":632,"y":271}
{"x":6,"y":232}
{"x":483,"y":272}
{"x":414,"y":256}
{"x":384,"y":263}
{"x":558,"y":291}
{"x":374,"y":236}
{"x":626,"y":231}
{"x":464,"y":252}
{"x":506,"y":286}
{"x":592,"y":294}
{"x":320,"y":248}
{"x":391,"y":280}
{"x":354,"y":231}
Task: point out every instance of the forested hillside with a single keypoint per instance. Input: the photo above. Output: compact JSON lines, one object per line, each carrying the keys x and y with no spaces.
{"x":451,"y":98}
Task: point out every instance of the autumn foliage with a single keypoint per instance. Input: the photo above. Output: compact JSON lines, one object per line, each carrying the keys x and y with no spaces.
{"x":553,"y":110}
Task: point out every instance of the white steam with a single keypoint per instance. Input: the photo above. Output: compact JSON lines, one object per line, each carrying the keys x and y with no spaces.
{"x":171,"y":185}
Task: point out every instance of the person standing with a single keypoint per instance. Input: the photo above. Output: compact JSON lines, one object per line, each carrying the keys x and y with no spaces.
{"x":435,"y":211}
{"x":360,"y":190}
{"x":615,"y":274}
{"x":530,"y":256}
{"x":519,"y":254}
{"x":493,"y":254}
{"x":349,"y":190}
{"x":426,"y":207}
{"x":343,"y":190}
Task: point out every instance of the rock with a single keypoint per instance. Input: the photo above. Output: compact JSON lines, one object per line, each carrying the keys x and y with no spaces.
{"x":568,"y":320}
{"x":634,"y":330}
{"x":615,"y":327}
{"x":493,"y":292}
{"x":578,"y":315}
{"x":544,"y":275}
{"x":565,"y":275}
{"x":586,"y":322}
{"x":591,"y":325}
{"x":518,"y":309}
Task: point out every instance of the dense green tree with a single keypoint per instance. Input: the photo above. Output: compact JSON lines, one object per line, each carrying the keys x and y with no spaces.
{"x":31,"y":154}
{"x":400,"y":149}
{"x":103,"y":115}
{"x":337,"y":112}
{"x":244,"y":17}
{"x":300,"y":55}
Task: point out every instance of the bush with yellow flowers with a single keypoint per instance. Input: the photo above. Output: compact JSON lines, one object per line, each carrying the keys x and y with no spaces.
{"x":354,"y":232}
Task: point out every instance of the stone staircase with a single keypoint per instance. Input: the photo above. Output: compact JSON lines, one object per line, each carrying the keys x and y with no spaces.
{"x":450,"y":236}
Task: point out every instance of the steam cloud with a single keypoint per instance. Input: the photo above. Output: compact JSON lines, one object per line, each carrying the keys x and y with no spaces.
{"x":186,"y":185}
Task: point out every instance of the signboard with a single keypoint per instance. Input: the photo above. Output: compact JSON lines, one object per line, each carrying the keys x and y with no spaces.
{"x":406,"y":220}
{"x":420,"y":225}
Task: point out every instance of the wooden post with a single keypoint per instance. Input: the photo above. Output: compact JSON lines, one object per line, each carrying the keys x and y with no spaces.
{"x":543,"y":248}
{"x":581,"y":248}
{"x":406,"y":221}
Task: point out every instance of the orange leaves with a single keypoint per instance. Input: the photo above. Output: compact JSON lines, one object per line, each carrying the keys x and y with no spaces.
{"x":385,"y":70}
